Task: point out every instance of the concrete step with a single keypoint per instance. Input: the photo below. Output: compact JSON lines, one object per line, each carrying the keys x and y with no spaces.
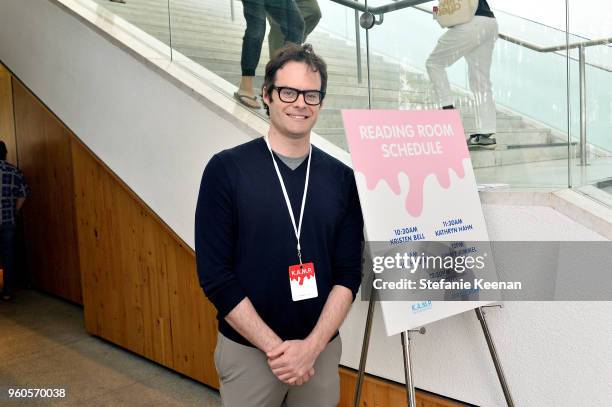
{"x":382,"y":69}
{"x":338,"y":139}
{"x":230,"y":66}
{"x":341,"y":101}
{"x":228,"y":31}
{"x":428,"y":100}
{"x":186,"y":17}
{"x":520,"y":137}
{"x":504,"y":121}
{"x":180,"y":12}
{"x":157,"y":10}
{"x":220,"y":33}
{"x":345,"y":74}
{"x":421,"y":83}
{"x":150,"y":6}
{"x":482,"y":158}
{"x":505,"y":139}
{"x":333,"y":88}
{"x":334,"y":81}
{"x":202,"y":39}
{"x":336,"y":99}
{"x":211,"y":28}
{"x":185,"y":46}
{"x":331,"y":118}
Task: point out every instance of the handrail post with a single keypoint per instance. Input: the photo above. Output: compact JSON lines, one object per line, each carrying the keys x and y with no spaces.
{"x":358,"y":47}
{"x":582,"y":77}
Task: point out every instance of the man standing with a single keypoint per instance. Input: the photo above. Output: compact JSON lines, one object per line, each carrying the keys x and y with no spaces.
{"x":278,"y":239}
{"x":475,"y":41}
{"x":14,"y":190}
{"x":311,"y":13}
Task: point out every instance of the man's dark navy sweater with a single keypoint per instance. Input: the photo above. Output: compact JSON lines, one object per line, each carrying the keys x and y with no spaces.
{"x":245,"y":241}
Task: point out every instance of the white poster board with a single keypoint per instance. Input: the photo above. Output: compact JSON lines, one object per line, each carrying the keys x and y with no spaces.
{"x":416,"y":182}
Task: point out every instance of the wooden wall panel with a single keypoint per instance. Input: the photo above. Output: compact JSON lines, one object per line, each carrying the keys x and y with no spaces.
{"x":195,"y":317}
{"x":383,"y":393}
{"x":7,"y":124}
{"x":140,"y":287}
{"x":43,"y":146}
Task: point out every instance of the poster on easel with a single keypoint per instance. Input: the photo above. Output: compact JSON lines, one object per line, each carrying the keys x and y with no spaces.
{"x":417,"y":186}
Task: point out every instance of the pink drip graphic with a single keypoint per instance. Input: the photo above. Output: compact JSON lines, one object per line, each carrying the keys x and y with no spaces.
{"x":420,"y":143}
{"x":300,"y":279}
{"x":299,"y":272}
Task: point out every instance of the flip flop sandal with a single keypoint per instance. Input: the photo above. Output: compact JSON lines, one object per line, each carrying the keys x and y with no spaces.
{"x":245,"y":99}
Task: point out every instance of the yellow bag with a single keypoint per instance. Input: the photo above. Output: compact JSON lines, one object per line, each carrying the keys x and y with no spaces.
{"x":454,"y":12}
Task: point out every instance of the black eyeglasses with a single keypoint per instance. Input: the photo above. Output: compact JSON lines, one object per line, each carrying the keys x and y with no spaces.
{"x":290,"y":95}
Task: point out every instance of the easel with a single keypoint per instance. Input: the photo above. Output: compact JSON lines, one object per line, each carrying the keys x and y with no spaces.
{"x":405,"y":337}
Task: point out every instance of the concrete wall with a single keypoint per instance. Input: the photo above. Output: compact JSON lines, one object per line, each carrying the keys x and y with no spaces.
{"x":157,"y":137}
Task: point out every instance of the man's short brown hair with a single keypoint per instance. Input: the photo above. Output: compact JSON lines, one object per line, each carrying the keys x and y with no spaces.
{"x":297,"y":53}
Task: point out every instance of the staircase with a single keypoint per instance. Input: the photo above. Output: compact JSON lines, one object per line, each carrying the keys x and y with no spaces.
{"x":203,"y":31}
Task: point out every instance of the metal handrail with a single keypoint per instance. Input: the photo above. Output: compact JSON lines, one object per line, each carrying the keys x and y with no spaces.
{"x":387,"y":8}
{"x":554,"y":48}
{"x":562,"y":47}
{"x":371,"y":12}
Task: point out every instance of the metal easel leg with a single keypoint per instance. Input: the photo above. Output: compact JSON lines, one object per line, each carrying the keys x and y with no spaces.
{"x":498,"y":367}
{"x":408,"y":369}
{"x":364,"y":349}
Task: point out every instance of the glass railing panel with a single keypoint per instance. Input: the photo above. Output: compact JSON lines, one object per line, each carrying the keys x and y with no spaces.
{"x":206,"y":37}
{"x":342,"y":45}
{"x":531,"y":94}
{"x":530,"y":90}
{"x":395,"y":71}
{"x":529,"y":86}
{"x":592,"y":171}
{"x":210,"y":33}
{"x":408,"y":49}
{"x":145,"y":20}
{"x":598,"y":77}
{"x":415,"y":47}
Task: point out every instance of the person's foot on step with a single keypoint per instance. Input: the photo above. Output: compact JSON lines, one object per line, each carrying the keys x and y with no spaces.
{"x":247,"y":98}
{"x":482,"y":140}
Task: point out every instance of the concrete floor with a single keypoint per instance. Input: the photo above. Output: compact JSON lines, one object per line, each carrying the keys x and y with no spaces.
{"x":43,"y":344}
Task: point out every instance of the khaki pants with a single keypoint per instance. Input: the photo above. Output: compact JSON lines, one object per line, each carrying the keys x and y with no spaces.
{"x":473,"y":41}
{"x":247,"y":381}
{"x":311,"y":13}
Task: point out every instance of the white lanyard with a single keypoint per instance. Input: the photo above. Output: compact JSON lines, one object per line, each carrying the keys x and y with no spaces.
{"x":297,"y":229}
